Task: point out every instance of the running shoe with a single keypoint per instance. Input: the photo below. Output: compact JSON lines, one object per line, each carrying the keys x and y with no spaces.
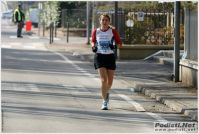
{"x":104,"y":105}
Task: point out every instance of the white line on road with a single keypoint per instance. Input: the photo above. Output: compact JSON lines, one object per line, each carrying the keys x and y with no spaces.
{"x":137,"y":106}
{"x":35,"y":44}
{"x":33,"y":88}
{"x":157,"y":117}
{"x":5,"y":46}
{"x":33,"y":37}
{"x":54,"y":38}
{"x":76,"y":66}
{"x":29,"y":47}
{"x":45,"y":72}
{"x":13,"y":37}
{"x":15,"y":87}
{"x":57,"y":39}
{"x":14,"y":43}
{"x":17,"y":45}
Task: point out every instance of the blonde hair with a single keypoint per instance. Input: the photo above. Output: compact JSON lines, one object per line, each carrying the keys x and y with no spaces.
{"x":105,"y":15}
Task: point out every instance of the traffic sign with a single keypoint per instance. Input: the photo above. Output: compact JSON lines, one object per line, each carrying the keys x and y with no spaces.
{"x":129,"y":23}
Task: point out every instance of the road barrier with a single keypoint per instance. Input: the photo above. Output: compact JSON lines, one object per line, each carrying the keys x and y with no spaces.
{"x":28,"y":26}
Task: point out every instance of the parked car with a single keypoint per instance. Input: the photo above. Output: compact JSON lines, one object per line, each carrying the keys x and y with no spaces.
{"x":34,"y":16}
{"x":7,"y":14}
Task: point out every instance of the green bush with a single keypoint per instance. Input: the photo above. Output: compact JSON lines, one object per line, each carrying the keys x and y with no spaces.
{"x":138,"y":33}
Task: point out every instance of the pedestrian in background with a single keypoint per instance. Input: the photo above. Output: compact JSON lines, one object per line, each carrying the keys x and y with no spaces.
{"x":102,"y":42}
{"x":19,"y":18}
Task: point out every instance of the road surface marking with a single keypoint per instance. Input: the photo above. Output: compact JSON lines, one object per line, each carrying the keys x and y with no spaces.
{"x":34,"y":71}
{"x":157,"y":117}
{"x":137,"y":106}
{"x":17,"y":87}
{"x":29,"y":47}
{"x":32,"y":46}
{"x":54,"y":38}
{"x":76,"y":66}
{"x":33,"y":88}
{"x":26,"y":108}
{"x":15,"y":44}
{"x":13,"y":37}
{"x":33,"y":37}
{"x":37,"y":44}
{"x":5,"y":46}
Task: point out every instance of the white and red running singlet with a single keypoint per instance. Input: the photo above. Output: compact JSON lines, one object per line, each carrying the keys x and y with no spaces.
{"x":104,"y":38}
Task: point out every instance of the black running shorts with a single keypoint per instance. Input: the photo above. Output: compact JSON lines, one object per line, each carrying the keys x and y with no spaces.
{"x":104,"y":60}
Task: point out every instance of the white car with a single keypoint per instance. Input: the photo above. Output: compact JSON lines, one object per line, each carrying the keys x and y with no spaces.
{"x":7,"y":14}
{"x":34,"y":16}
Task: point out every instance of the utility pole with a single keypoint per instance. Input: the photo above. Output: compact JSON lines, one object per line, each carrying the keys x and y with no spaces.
{"x":88,"y":21}
{"x":116,"y":24}
{"x":116,"y":14}
{"x":177,"y":41}
{"x":39,"y":23}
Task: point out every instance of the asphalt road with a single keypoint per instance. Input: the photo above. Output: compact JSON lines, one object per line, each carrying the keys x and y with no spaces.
{"x":45,"y":91}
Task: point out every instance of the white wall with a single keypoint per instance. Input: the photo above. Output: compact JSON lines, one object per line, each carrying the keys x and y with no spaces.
{"x":191,"y":34}
{"x":189,"y":63}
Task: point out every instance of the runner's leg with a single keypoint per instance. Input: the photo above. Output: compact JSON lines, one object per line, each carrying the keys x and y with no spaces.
{"x":110,"y":75}
{"x":104,"y":80}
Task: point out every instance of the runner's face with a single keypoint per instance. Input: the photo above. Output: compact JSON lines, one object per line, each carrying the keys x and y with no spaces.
{"x":104,"y":21}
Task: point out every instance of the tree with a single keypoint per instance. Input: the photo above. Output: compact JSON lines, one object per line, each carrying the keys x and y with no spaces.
{"x":73,"y":13}
{"x":72,"y":5}
{"x":50,"y":12}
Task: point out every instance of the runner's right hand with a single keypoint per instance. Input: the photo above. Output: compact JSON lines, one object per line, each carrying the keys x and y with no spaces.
{"x":94,"y":49}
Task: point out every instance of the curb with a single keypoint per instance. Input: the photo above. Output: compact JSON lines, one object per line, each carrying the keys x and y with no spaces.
{"x":169,"y":101}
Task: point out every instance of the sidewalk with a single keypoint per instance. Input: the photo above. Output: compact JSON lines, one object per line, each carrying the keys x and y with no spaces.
{"x":148,"y":78}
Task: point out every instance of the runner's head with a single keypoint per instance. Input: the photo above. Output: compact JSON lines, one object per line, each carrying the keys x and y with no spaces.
{"x":104,"y":20}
